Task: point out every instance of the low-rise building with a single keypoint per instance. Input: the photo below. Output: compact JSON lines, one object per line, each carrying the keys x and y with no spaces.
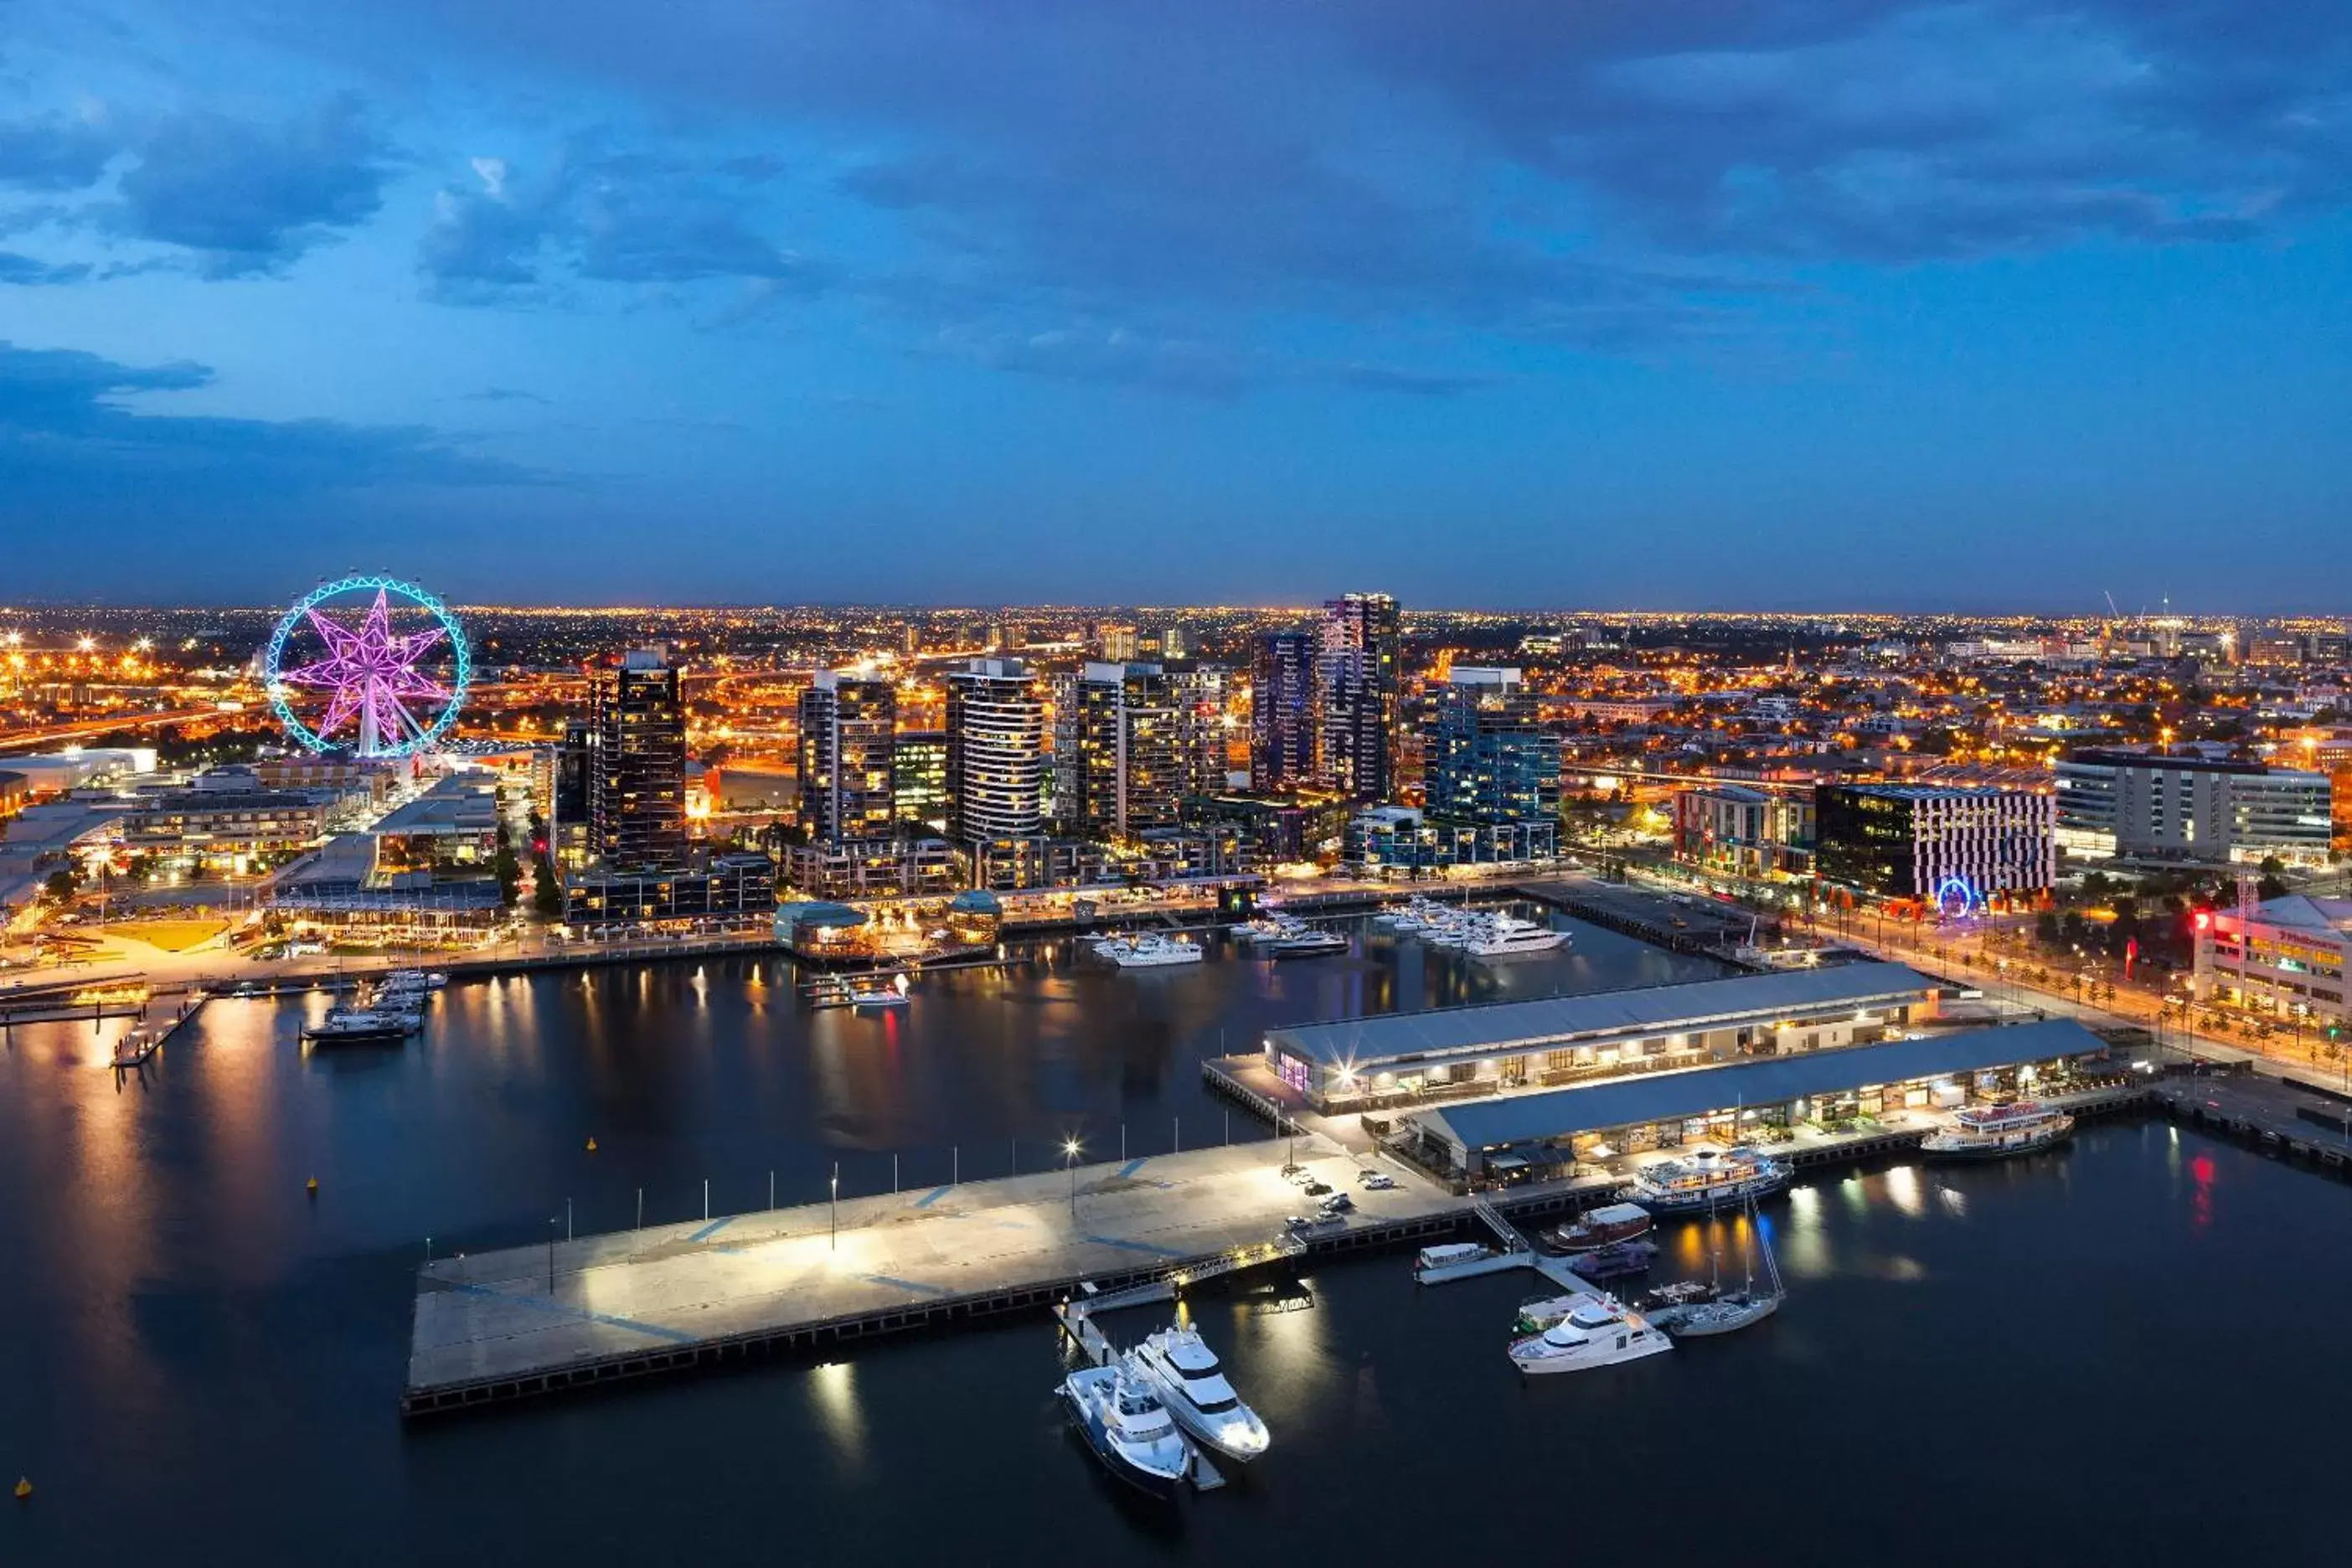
{"x":2284,"y":957}
{"x":1939,"y":843}
{"x":2157,"y":806}
{"x":833,"y":869}
{"x":1457,"y":1051}
{"x":726,"y":888}
{"x":1744,"y":832}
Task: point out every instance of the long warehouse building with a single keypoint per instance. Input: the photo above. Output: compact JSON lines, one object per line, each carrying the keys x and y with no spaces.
{"x":1453,"y":1052}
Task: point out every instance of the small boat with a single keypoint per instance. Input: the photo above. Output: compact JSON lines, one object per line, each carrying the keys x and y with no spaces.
{"x":1449,"y":1261}
{"x":1151,"y":950}
{"x":1998,"y":1131}
{"x":358,"y":1027}
{"x":890,"y":994}
{"x":416,"y":979}
{"x":1603,"y":1226}
{"x":1308,"y":944}
{"x":1706,"y":1180}
{"x":1617,"y":1258}
{"x":1675,"y":1293}
{"x":1129,"y":1430}
{"x":1592,"y":1329}
{"x":1184,"y":1372}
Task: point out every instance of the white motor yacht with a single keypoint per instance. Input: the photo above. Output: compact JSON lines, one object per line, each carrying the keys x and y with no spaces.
{"x":1184,"y":1372}
{"x":1508,"y":938}
{"x":1588,"y":1331}
{"x":359,"y":1026}
{"x":1152,"y":950}
{"x":1124,"y":1422}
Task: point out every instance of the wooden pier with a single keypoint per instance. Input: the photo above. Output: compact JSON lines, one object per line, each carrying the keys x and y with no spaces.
{"x":2288,"y":1119}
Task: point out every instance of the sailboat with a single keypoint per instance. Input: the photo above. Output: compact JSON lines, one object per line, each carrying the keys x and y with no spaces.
{"x":1733,"y":1308}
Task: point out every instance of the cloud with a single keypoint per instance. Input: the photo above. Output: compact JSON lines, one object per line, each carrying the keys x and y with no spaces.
{"x":600,"y":216}
{"x":68,"y":439}
{"x":247,"y":198}
{"x":25,"y":271}
{"x":55,"y":153}
{"x":1119,"y":356}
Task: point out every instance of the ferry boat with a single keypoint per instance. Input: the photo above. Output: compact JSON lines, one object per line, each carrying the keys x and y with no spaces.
{"x":1150,"y":950}
{"x":1603,"y":1227}
{"x":1508,"y":938}
{"x":1185,"y":1373}
{"x":1128,"y":1427}
{"x":1309,"y":944}
{"x":1451,"y":1260}
{"x":1998,"y":1131}
{"x":1706,"y":1180}
{"x":1589,"y":1331}
{"x":358,"y":1027}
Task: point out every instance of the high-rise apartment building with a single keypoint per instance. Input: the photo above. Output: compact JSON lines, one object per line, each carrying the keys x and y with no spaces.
{"x":1357,"y":680}
{"x":848,"y":729}
{"x":995,"y":753}
{"x":1490,"y":762}
{"x":1118,"y":758}
{"x":918,"y":772}
{"x":569,"y":846}
{"x":1282,"y":713}
{"x":636,"y":766}
{"x":1199,"y":691}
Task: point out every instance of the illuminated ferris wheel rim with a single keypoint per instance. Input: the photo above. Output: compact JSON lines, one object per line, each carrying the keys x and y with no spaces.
{"x":418,"y":736}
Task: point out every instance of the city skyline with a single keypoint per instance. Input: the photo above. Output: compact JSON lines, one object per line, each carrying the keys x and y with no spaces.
{"x":1789,"y":306}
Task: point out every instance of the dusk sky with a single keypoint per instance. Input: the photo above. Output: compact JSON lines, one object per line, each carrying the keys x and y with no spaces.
{"x":1732,"y":303}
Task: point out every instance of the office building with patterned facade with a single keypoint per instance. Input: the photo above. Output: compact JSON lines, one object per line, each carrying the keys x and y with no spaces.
{"x":1922,"y":842}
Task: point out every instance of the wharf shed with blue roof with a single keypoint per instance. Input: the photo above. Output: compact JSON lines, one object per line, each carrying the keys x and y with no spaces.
{"x":1657,"y":1109}
{"x":1474,"y":1051}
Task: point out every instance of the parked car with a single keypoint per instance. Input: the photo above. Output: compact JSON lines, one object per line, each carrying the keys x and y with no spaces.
{"x":1317,"y":1189}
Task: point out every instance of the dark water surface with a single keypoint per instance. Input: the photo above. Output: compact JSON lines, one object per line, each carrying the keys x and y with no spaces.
{"x":2130,"y":1350}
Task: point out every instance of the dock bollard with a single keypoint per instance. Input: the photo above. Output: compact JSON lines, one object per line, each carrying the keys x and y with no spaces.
{"x":23,"y":1489}
{"x":312,"y":1186}
{"x":592,"y":1145}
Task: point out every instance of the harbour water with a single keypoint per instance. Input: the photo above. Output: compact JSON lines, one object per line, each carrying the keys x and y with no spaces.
{"x":2123,"y":1348}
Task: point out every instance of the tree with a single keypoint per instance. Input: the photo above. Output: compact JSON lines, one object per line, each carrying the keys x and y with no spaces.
{"x":61,"y":883}
{"x":2045,"y":928}
{"x":510,"y":875}
{"x":546,"y":893}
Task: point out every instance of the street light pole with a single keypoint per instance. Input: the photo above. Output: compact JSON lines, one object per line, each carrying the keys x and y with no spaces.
{"x":1070,"y":1159}
{"x":835,"y":1242}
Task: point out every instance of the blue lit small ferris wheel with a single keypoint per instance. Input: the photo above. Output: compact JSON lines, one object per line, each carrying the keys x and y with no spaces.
{"x":393,"y":671}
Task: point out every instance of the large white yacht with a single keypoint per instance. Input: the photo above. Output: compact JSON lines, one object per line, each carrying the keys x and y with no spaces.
{"x":1150,"y":950}
{"x":1505,"y":937}
{"x":1706,"y":1180}
{"x":1583,"y":1331}
{"x":1128,"y":1427}
{"x":1998,"y":1131}
{"x":359,"y":1026}
{"x":1184,"y":1372}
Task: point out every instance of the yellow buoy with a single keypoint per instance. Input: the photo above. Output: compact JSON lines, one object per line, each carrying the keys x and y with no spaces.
{"x":592,"y":1145}
{"x":23,"y":1489}
{"x":313,"y":1186}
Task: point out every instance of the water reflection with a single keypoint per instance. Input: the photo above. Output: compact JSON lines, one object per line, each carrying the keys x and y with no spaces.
{"x":832,"y":1388}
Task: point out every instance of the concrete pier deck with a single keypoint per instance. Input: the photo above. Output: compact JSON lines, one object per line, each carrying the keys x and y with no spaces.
{"x":495,"y":1325}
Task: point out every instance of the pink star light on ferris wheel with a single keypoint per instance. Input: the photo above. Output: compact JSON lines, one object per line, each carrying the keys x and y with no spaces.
{"x":367,"y":673}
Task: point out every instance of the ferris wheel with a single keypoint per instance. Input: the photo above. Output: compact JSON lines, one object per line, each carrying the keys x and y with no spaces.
{"x":381,"y":676}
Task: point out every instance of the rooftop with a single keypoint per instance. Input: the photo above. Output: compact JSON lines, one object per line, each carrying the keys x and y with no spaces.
{"x":1505,"y":1025}
{"x":1674,"y":1096}
{"x":2307,"y":913}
